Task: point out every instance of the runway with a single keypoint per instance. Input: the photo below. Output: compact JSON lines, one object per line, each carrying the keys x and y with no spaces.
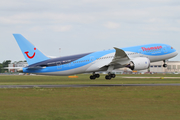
{"x":74,"y":86}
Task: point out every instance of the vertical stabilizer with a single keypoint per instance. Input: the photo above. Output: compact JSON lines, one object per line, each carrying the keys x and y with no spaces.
{"x":30,"y":52}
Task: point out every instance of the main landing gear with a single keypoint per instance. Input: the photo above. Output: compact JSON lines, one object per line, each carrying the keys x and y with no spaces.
{"x":164,"y":65}
{"x":109,"y":76}
{"x":94,"y":76}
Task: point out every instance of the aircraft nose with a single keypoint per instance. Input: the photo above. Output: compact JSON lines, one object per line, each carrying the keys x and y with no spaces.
{"x":176,"y":53}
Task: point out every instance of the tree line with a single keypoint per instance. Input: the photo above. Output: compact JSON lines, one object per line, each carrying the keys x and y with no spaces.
{"x":4,"y":64}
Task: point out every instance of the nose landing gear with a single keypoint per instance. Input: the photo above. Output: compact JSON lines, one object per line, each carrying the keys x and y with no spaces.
{"x":164,"y":65}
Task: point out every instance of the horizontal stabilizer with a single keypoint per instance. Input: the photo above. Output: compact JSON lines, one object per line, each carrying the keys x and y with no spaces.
{"x":14,"y":68}
{"x":19,"y":69}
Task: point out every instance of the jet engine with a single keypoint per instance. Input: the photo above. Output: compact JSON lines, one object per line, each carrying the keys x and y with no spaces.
{"x":139,"y":63}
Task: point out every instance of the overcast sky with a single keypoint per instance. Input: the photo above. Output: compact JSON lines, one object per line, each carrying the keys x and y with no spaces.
{"x":80,"y":26}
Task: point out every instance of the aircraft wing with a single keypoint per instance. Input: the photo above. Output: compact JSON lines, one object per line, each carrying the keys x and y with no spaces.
{"x":120,"y":57}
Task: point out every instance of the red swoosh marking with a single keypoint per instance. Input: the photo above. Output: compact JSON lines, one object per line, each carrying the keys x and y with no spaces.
{"x":30,"y":57}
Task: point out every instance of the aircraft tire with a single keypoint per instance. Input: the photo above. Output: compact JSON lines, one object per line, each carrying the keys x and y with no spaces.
{"x":164,"y":65}
{"x":92,"y":77}
{"x":97,"y":75}
{"x":113,"y":75}
{"x":108,"y":77}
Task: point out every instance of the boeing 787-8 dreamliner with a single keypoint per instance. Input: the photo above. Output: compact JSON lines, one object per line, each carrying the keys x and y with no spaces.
{"x":135,"y":58}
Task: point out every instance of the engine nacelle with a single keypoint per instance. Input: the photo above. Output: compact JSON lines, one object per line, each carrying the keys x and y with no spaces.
{"x":139,"y":63}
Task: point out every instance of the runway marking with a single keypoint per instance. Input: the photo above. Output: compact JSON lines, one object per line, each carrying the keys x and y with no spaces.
{"x":155,"y":77}
{"x":95,"y":85}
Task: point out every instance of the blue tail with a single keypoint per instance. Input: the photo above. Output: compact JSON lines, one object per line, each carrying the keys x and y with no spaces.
{"x":30,"y":52}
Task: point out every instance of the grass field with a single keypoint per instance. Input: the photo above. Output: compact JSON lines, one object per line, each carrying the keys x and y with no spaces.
{"x":90,"y":103}
{"x":84,"y":79}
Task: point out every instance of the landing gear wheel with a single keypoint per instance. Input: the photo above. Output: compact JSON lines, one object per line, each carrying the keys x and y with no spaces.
{"x":97,"y":75}
{"x":108,"y":77}
{"x":164,"y":65}
{"x":92,"y":77}
{"x":113,"y":75}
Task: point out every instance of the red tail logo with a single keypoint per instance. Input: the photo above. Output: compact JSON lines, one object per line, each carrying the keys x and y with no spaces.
{"x":30,"y":57}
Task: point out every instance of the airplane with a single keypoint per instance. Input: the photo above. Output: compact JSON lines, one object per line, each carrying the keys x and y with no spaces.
{"x":134,"y":58}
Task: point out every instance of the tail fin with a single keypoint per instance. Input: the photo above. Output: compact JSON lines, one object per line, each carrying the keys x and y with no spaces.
{"x":30,"y":52}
